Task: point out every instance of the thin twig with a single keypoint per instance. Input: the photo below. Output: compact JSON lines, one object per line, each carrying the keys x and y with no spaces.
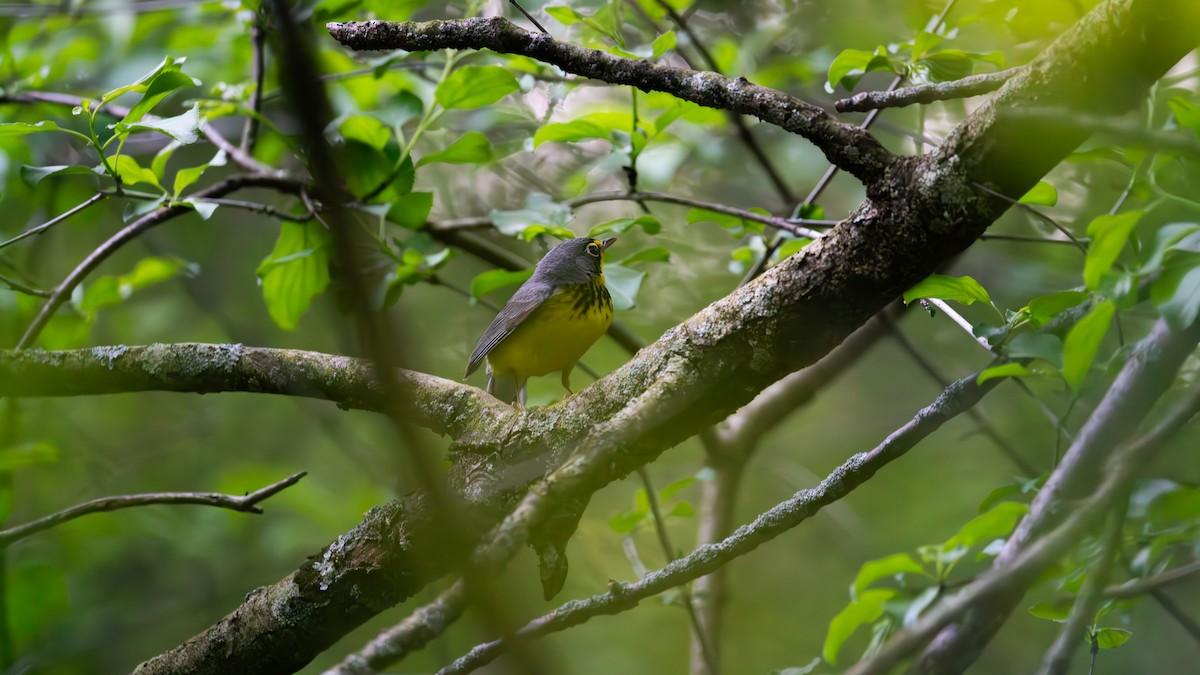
{"x":258,"y":65}
{"x":38,"y":229}
{"x":408,"y":636}
{"x":1181,"y":617}
{"x":529,"y":16}
{"x":972,"y":85}
{"x":664,"y":540}
{"x":22,"y":288}
{"x":1135,"y":588}
{"x":247,"y":503}
{"x":1036,"y":214}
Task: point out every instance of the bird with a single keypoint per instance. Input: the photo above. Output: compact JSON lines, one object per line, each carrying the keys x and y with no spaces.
{"x":548,"y":324}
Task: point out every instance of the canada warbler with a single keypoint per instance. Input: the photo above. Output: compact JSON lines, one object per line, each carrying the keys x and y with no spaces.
{"x":549,"y":322}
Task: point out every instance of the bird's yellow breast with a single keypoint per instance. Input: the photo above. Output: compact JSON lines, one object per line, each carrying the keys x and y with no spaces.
{"x":557,"y":333}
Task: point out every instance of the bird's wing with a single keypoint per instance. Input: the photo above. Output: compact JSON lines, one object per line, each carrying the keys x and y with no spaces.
{"x":528,"y":298}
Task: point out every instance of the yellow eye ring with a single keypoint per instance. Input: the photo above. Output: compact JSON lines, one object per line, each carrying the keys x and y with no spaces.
{"x":593,"y":250}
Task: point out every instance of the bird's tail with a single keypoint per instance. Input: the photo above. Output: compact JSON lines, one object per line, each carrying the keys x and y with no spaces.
{"x":507,"y":388}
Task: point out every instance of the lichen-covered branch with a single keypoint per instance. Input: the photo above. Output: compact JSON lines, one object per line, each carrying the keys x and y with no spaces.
{"x":247,"y":503}
{"x":847,"y":146}
{"x":972,"y":85}
{"x":444,"y":406}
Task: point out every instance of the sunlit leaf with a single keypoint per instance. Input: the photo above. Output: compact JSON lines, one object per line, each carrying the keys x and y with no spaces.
{"x":412,"y":210}
{"x":23,"y":128}
{"x":366,"y":130}
{"x":1042,"y":194}
{"x":654,"y":254}
{"x":997,"y":522}
{"x":475,"y":87}
{"x":874,"y":570}
{"x":27,"y":454}
{"x":472,"y":148}
{"x":569,"y":132}
{"x":1013,"y":369}
{"x":1111,"y":638}
{"x":958,"y":289}
{"x":663,"y":44}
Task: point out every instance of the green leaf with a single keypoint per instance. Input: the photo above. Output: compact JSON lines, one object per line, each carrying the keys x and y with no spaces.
{"x":849,"y":66}
{"x":1187,"y":114}
{"x":567,"y":16}
{"x":1176,"y":291}
{"x":184,"y":178}
{"x":1053,"y":611}
{"x":412,"y":210}
{"x":997,"y":522}
{"x":32,"y":175}
{"x":1013,"y":369}
{"x":1042,"y":194}
{"x":570,"y":132}
{"x":472,"y":148}
{"x":184,"y":128}
{"x":23,"y":128}
{"x":1111,"y":638}
{"x":675,"y":487}
{"x":540,"y":209}
{"x":475,"y":86}
{"x":142,"y":83}
{"x":663,"y":44}
{"x":649,"y":224}
{"x":733,"y":223}
{"x":623,"y":285}
{"x":491,"y":280}
{"x":166,"y":82}
{"x":1169,"y":239}
{"x":959,"y":289}
{"x":1082,"y":343}
{"x":366,"y":130}
{"x":655,"y":254}
{"x":867,"y":608}
{"x":874,"y":570}
{"x":792,"y":247}
{"x":1036,"y":346}
{"x":1108,"y":234}
{"x":682,"y":510}
{"x":943,"y":66}
{"x":365,"y":168}
{"x":626,"y":521}
{"x":27,"y":454}
{"x":110,"y":290}
{"x":132,"y":173}
{"x":296,"y":271}
{"x":159,"y":164}
{"x":1044,"y":308}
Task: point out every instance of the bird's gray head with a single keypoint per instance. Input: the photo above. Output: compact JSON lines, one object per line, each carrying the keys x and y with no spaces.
{"x":574,"y":261}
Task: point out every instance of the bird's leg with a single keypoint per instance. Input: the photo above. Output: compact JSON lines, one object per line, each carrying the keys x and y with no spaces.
{"x":566,"y":382}
{"x":522,"y":391}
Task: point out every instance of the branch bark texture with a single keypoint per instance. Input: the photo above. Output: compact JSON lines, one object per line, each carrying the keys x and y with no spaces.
{"x":847,"y":146}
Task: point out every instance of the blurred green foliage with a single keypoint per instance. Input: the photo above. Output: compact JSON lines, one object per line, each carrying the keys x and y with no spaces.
{"x":428,"y":139}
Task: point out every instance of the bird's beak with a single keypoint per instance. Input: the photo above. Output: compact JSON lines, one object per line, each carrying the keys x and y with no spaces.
{"x":606,"y":243}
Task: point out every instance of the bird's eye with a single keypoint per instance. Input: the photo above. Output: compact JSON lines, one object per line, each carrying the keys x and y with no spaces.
{"x":593,"y":250}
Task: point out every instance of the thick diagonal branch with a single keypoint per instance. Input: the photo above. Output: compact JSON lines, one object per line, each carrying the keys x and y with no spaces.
{"x":847,"y":146}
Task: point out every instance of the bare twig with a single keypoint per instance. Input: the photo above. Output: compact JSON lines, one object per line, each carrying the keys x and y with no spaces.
{"x":529,"y":16}
{"x":848,"y":146}
{"x":258,"y":64}
{"x":972,"y":85}
{"x":38,"y":229}
{"x":1135,"y":588}
{"x":19,"y":287}
{"x":247,"y":503}
{"x":797,"y":226}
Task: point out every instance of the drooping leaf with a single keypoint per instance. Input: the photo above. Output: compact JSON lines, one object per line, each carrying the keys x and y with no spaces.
{"x":296,"y":271}
{"x":623,"y":284}
{"x":1082,"y":343}
{"x":132,"y":173}
{"x":184,"y":178}
{"x":23,"y":128}
{"x":1109,"y":235}
{"x":184,"y":128}
{"x":166,"y":82}
{"x":412,"y":210}
{"x":867,"y":608}
{"x":850,"y":65}
{"x":32,"y":175}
